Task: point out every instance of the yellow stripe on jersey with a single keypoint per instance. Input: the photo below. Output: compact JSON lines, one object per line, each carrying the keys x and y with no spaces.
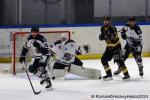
{"x":113,"y":44}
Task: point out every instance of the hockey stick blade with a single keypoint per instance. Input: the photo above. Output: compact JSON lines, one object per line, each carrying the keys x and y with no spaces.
{"x":38,"y":92}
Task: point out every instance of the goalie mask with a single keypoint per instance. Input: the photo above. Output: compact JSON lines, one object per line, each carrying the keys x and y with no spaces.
{"x":64,"y":37}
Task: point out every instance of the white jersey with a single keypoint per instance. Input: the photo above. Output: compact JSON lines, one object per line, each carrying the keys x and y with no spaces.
{"x":65,"y":51}
{"x":133,"y":35}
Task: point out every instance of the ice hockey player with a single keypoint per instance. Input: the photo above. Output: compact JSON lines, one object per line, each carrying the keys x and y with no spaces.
{"x":113,"y":49}
{"x":132,"y":33}
{"x":66,"y":50}
{"x":41,"y":55}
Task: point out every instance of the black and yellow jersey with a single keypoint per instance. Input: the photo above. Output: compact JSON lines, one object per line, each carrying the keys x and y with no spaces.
{"x":109,"y":34}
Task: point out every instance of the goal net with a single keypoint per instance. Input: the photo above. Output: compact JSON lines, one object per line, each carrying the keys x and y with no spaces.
{"x":18,"y":42}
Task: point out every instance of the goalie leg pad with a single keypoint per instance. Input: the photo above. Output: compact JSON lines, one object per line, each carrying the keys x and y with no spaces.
{"x":59,"y":73}
{"x":85,"y":72}
{"x":59,"y":69}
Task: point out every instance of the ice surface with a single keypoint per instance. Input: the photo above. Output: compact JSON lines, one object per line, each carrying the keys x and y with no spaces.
{"x":74,"y":88}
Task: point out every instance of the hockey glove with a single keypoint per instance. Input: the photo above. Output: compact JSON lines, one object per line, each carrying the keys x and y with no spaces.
{"x":102,"y":36}
{"x":22,"y":59}
{"x":53,"y":77}
{"x":124,"y":36}
{"x":87,"y":48}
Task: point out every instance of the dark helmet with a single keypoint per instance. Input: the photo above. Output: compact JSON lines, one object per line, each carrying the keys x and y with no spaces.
{"x":106,"y":18}
{"x":35,"y":29}
{"x":132,"y":18}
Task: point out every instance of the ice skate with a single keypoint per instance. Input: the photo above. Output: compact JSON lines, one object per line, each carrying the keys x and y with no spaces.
{"x":141,"y":73}
{"x":107,"y":77}
{"x":126,"y":78}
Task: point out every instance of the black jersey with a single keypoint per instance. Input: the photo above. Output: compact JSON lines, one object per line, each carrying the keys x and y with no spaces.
{"x":38,"y":43}
{"x":109,"y":34}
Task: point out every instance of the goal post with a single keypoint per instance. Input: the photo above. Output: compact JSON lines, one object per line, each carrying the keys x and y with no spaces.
{"x":19,"y":40}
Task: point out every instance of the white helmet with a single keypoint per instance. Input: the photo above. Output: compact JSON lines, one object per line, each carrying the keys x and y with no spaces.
{"x":64,"y":37}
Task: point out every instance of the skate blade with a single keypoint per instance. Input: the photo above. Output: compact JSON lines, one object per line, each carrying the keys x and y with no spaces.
{"x":49,"y":89}
{"x":108,"y":79}
{"x":116,"y":74}
{"x":126,"y":80}
{"x":141,"y":76}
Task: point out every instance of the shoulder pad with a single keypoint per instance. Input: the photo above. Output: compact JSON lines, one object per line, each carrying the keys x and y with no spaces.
{"x":113,"y":28}
{"x":69,"y":41}
{"x":138,"y":29}
{"x":29,"y":37}
{"x":57,"y":42}
{"x":137,"y":26}
{"x":41,"y":38}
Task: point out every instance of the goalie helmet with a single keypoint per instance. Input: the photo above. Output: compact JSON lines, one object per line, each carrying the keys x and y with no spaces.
{"x":64,"y":37}
{"x":34,"y":29}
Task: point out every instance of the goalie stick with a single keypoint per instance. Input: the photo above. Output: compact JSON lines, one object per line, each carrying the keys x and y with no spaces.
{"x":35,"y":92}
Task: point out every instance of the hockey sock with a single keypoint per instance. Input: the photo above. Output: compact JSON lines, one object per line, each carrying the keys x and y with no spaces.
{"x":108,"y":70}
{"x":125,"y":71}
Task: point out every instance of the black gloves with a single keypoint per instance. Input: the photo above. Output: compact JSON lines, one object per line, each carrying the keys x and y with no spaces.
{"x":53,"y":77}
{"x":102,"y":36}
{"x":124,"y":36}
{"x":22,"y":59}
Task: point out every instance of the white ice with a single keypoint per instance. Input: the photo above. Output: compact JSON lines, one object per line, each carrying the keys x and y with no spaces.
{"x":18,"y":88}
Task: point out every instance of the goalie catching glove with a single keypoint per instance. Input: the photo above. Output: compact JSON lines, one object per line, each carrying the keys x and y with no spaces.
{"x":87,"y":48}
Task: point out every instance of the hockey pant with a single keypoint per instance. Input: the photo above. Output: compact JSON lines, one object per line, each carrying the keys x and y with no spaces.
{"x":136,"y":52}
{"x":114,"y":53}
{"x":38,"y":66}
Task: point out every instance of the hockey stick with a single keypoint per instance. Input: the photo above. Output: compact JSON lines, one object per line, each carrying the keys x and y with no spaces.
{"x":35,"y":92}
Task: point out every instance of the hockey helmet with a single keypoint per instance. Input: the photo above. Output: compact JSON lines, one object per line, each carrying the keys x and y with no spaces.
{"x":132,"y":18}
{"x":106,"y":18}
{"x":35,"y":29}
